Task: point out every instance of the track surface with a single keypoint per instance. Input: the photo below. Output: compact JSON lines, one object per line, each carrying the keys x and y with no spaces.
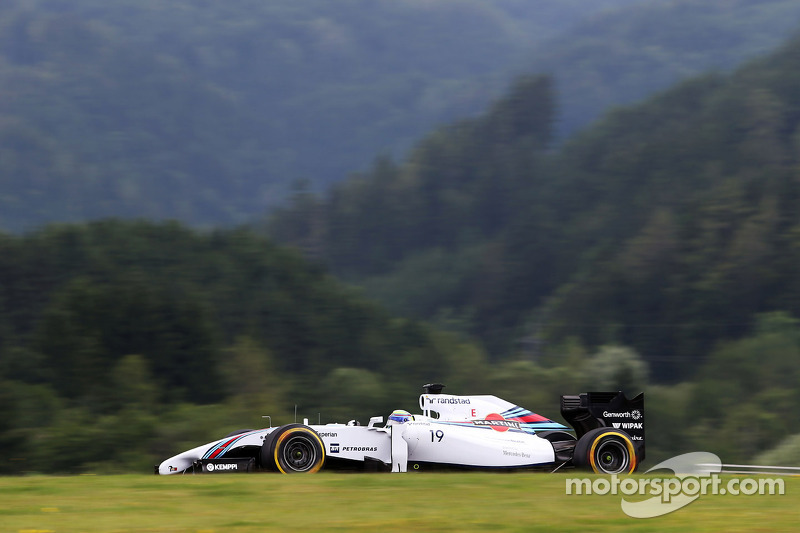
{"x":357,"y":502}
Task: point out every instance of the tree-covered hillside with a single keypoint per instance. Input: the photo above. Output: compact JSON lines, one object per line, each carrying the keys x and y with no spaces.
{"x":666,"y":226}
{"x":75,"y":300}
{"x":209,"y":111}
{"x":684,"y":213}
{"x":622,"y":56}
{"x":139,"y":337}
{"x":123,"y":343}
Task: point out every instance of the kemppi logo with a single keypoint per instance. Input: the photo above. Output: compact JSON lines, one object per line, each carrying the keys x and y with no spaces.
{"x":222,"y":467}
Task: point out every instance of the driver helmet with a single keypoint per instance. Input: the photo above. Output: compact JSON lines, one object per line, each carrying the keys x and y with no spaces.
{"x":399,"y":416}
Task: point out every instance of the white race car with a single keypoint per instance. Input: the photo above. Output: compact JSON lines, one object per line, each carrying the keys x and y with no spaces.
{"x":452,"y":431}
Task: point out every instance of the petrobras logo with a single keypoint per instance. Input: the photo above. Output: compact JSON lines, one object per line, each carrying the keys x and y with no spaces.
{"x":359,"y":448}
{"x":334,"y":447}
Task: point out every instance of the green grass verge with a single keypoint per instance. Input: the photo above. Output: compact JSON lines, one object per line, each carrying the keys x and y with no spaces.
{"x":357,"y":502}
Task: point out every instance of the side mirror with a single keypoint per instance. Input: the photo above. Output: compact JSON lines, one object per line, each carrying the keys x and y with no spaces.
{"x":375,"y":420}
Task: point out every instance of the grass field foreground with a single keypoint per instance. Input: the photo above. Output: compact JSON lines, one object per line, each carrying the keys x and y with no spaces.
{"x":357,"y":502}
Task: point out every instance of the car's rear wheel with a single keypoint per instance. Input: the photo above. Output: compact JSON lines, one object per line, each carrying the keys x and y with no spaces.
{"x":605,"y":451}
{"x":293,"y":449}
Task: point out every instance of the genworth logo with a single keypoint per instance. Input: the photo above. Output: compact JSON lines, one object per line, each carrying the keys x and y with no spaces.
{"x":695,"y":474}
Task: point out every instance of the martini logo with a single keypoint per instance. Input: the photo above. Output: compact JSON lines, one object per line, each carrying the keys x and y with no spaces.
{"x":497,"y":422}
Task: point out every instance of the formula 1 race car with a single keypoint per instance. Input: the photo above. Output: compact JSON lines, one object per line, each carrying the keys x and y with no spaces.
{"x":452,"y":431}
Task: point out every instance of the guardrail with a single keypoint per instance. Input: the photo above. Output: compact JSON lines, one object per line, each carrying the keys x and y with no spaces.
{"x":752,"y":469}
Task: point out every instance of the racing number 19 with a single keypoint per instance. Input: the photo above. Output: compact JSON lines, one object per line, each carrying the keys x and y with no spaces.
{"x":439,"y":434}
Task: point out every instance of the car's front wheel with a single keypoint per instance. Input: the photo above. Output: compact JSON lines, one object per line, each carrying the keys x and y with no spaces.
{"x":293,"y":449}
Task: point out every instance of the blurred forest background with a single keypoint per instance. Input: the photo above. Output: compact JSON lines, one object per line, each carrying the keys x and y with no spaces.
{"x":327,"y":204}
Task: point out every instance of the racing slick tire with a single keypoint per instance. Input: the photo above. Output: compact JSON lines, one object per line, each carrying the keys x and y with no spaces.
{"x":605,"y":451}
{"x":293,"y":449}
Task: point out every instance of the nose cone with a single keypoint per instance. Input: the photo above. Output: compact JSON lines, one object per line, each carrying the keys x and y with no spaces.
{"x":174,"y":465}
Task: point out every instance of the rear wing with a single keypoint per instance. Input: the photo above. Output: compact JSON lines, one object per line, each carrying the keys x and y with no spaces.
{"x":591,"y":410}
